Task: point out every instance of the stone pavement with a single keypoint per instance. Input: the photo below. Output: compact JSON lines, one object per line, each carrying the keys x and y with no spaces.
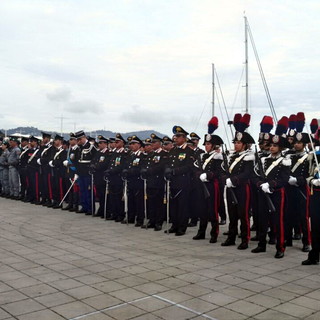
{"x":61,"y":265}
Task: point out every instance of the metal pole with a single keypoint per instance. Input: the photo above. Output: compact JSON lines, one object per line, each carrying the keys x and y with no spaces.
{"x":105,"y":200}
{"x":145,"y":197}
{"x":168,"y":204}
{"x":73,"y":182}
{"x":92,"y":196}
{"x":212,"y":89}
{"x":246,"y":62}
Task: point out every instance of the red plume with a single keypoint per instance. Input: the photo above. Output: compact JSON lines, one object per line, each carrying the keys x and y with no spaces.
{"x":244,"y":122}
{"x":314,"y":126}
{"x":282,"y":126}
{"x":300,"y":121}
{"x":236,"y":121}
{"x":212,"y":125}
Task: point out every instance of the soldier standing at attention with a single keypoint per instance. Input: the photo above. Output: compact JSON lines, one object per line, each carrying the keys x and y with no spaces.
{"x":4,"y":169}
{"x":298,"y":190}
{"x":23,"y":161}
{"x":314,"y":183}
{"x":195,"y":182}
{"x":116,"y":184}
{"x":13,"y":161}
{"x":238,"y":173}
{"x":69,"y":163}
{"x":178,"y":171}
{"x":57,"y":169}
{"x":276,"y":170}
{"x":33,"y":169}
{"x":82,"y":163}
{"x":131,"y":172}
{"x":210,"y":170}
{"x":154,"y":165}
{"x":97,"y":167}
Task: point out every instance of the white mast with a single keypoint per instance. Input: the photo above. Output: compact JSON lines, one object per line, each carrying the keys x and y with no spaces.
{"x":213,"y":89}
{"x":246,"y":61}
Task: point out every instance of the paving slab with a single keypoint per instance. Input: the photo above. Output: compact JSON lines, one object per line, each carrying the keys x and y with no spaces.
{"x":61,"y":265}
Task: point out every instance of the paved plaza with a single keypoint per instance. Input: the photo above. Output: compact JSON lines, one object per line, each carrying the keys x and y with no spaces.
{"x":61,"y":265}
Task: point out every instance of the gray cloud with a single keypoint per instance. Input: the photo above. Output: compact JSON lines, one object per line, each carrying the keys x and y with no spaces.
{"x":84,"y":106}
{"x":144,"y":116}
{"x":59,"y":95}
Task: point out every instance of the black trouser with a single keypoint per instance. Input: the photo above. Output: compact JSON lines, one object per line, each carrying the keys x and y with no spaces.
{"x":23,"y":182}
{"x":315,"y":224}
{"x":195,"y":198}
{"x":33,"y":178}
{"x":46,"y":183}
{"x":298,"y":213}
{"x":255,"y":204}
{"x":179,"y":203}
{"x":135,"y":205}
{"x":116,"y":203}
{"x":57,"y":186}
{"x":101,"y":194}
{"x":222,"y":208}
{"x":156,"y":211}
{"x":209,"y":208}
{"x":240,"y":212}
{"x":276,"y":219}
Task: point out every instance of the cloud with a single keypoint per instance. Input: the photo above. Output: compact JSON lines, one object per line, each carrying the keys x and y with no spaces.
{"x":61,"y":94}
{"x":84,"y":106}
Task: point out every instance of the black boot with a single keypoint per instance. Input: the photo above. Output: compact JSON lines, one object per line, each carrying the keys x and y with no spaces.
{"x":228,"y":242}
{"x":200,"y":235}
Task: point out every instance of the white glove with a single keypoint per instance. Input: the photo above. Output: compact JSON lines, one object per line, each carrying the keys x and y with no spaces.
{"x":229,"y":183}
{"x":76,"y":177}
{"x":65,"y":163}
{"x":265,"y":187}
{"x":203,"y":177}
{"x":39,"y":162}
{"x":51,"y":164}
{"x":293,"y":181}
{"x":316,"y":182}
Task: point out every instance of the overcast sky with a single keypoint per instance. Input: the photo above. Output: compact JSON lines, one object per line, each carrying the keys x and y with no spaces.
{"x":126,"y":65}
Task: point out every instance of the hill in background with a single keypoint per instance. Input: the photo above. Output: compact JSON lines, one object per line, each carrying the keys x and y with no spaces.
{"x":32,"y":131}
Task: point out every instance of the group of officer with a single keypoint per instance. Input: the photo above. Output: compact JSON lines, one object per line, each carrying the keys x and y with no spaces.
{"x":147,"y":182}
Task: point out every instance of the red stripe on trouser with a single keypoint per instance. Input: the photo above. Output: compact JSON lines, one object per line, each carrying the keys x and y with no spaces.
{"x":75,"y":188}
{"x":247,"y":211}
{"x":308,"y":214}
{"x":37,"y":186}
{"x":60,"y":188}
{"x":281,"y":224}
{"x":216,"y":204}
{"x":49,"y":186}
{"x":27,"y":182}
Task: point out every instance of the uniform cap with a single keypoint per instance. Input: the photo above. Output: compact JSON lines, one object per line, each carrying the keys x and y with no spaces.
{"x":46,"y":135}
{"x":102,"y":139}
{"x":177,"y":130}
{"x":167,"y":140}
{"x":213,"y":139}
{"x":57,"y":137}
{"x":147,"y":141}
{"x":194,"y":136}
{"x":155,"y":138}
{"x":33,"y":138}
{"x":72,"y":136}
{"x":134,"y":139}
{"x":79,"y":134}
{"x":119,"y":137}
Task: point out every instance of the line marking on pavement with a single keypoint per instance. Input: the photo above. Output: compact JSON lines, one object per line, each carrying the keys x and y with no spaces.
{"x":109,"y":308}
{"x":183,"y":307}
{"x":141,"y":299}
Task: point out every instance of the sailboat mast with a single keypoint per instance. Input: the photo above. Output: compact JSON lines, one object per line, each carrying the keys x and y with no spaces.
{"x":213,"y":89}
{"x":246,"y":61}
